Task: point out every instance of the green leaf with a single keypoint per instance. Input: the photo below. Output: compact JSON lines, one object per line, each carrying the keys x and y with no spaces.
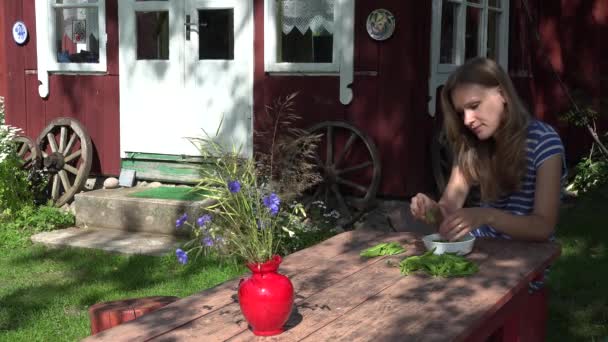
{"x":385,"y":248}
{"x":444,"y":265}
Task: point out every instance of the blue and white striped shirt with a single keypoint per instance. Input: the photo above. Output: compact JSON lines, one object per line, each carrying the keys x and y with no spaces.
{"x":542,"y":142}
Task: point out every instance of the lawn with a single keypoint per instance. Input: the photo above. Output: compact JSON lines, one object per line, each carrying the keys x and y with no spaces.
{"x":578,"y":281}
{"x":45,"y":293}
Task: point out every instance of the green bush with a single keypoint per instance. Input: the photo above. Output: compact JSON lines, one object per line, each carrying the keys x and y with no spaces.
{"x":15,"y":188}
{"x":29,"y":220}
{"x":590,"y":175}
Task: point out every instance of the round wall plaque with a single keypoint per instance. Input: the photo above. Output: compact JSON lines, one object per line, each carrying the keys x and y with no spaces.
{"x":19,"y":32}
{"x":380,"y":24}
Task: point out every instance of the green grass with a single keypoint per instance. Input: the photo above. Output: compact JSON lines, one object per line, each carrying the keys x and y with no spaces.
{"x":45,"y":293}
{"x":173,"y":193}
{"x":579,"y":279}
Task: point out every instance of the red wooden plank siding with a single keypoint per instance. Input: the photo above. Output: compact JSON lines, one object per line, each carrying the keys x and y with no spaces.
{"x":3,"y":42}
{"x":29,"y":16}
{"x":112,"y":31}
{"x":15,"y":82}
{"x":91,"y":99}
{"x":386,"y":106}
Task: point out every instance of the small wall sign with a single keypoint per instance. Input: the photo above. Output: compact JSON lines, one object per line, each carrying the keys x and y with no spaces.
{"x":19,"y":32}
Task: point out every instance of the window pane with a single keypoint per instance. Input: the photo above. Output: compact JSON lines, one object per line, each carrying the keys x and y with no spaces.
{"x":77,"y":35}
{"x":447,"y":51}
{"x":474,"y":1}
{"x":494,"y":3}
{"x":471,"y":42}
{"x":216,"y":34}
{"x":493,"y":35}
{"x":152,"y":35}
{"x":307,"y":31}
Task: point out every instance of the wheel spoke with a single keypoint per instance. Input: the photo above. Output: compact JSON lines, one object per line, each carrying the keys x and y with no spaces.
{"x":341,"y":203}
{"x":349,"y":143}
{"x":70,"y":144}
{"x":355,"y":168}
{"x":23,"y":149}
{"x":70,"y":169}
{"x":55,"y":191}
{"x":330,"y":146}
{"x":64,"y":180}
{"x":62,"y":138}
{"x":51,"y":138}
{"x":351,"y":184}
{"x":73,"y":156}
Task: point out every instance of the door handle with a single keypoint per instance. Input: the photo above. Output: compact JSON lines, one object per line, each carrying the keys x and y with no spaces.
{"x":189,"y":25}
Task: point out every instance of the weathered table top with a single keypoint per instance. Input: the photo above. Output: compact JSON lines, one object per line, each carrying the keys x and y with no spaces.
{"x":342,"y":296}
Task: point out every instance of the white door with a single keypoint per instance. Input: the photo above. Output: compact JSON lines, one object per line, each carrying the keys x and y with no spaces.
{"x":185,"y":65}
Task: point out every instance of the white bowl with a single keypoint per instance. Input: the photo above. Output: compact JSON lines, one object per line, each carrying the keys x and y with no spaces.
{"x":462,"y":247}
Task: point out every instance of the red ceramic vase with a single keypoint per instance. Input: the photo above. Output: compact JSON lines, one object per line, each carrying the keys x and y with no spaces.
{"x":266,"y":298}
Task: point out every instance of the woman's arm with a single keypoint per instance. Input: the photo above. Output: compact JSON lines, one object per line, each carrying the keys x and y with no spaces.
{"x":538,"y":226}
{"x":455,"y":192}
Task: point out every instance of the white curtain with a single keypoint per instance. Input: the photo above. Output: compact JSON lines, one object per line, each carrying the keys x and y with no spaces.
{"x":315,"y":15}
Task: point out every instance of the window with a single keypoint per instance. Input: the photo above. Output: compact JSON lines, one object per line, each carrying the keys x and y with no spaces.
{"x":71,"y":37}
{"x":306,"y":35}
{"x":462,"y":30}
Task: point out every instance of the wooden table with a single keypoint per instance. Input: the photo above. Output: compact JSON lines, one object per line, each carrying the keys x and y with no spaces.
{"x":343,"y":297}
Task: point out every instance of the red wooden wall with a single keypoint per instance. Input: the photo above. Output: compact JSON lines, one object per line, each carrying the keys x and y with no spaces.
{"x":389,"y":106}
{"x":3,"y":37}
{"x":93,"y":100}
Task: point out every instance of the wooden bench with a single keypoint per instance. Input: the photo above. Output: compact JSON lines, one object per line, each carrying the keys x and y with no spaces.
{"x":343,"y":297}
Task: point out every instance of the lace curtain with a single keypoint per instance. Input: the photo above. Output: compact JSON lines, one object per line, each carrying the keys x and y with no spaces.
{"x":315,"y":15}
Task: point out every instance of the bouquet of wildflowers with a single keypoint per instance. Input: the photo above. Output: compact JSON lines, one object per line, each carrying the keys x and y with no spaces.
{"x":246,"y":215}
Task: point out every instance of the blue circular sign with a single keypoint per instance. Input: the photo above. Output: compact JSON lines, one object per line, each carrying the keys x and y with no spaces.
{"x":19,"y":32}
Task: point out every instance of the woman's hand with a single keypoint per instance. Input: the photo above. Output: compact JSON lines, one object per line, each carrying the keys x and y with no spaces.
{"x":424,"y":208}
{"x":461,"y":222}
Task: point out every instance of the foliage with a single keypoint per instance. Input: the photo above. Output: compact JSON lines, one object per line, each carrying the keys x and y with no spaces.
{"x":246,"y":214}
{"x":385,"y":248}
{"x":591,"y":174}
{"x":444,"y":265}
{"x":29,"y":220}
{"x":577,"y":281}
{"x":286,"y":154}
{"x":14,"y":182}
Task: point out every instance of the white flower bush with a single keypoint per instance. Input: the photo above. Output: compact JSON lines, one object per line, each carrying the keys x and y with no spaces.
{"x":7,"y":134}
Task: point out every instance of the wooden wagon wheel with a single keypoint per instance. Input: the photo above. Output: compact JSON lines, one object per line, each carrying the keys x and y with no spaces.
{"x":357,"y":156}
{"x":67,"y":152}
{"x":27,"y":151}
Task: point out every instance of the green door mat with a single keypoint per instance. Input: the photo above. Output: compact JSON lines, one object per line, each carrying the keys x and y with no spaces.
{"x":171,"y":193}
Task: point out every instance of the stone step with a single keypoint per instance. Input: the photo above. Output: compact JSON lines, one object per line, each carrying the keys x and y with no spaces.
{"x":114,"y":209}
{"x":116,"y":241}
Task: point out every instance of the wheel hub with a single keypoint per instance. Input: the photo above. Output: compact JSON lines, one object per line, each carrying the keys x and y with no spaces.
{"x":54,"y":162}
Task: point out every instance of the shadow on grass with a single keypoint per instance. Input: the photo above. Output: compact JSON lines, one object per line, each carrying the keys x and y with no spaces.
{"x":579,"y":300}
{"x":47,"y":280}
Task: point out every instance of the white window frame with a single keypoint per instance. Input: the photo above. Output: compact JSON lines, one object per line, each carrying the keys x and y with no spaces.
{"x":342,"y":55}
{"x":47,"y":56}
{"x":440,"y":72}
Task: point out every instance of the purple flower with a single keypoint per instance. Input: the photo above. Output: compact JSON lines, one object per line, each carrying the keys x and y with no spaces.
{"x":182,"y":257}
{"x":180,"y":221}
{"x":272,"y":202}
{"x":234,"y":186}
{"x":203,"y":220}
{"x":208,"y":241}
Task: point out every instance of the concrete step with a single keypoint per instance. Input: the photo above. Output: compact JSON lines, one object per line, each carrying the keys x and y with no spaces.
{"x":114,"y":209}
{"x":116,"y":241}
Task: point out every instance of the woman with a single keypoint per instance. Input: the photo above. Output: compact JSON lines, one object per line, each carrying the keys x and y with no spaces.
{"x":517,"y":161}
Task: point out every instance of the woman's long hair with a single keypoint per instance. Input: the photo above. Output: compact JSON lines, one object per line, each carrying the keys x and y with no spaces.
{"x":497,"y":164}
